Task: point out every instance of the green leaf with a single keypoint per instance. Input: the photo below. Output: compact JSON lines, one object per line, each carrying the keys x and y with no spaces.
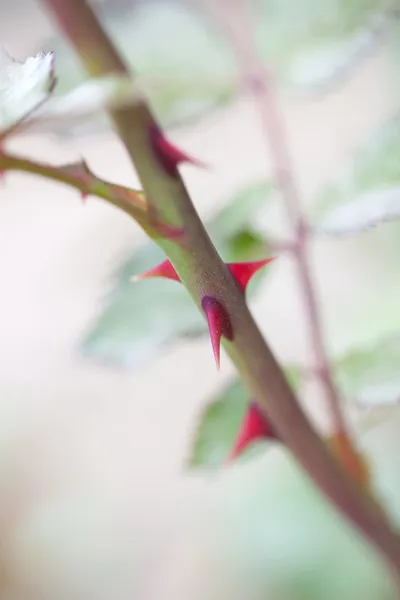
{"x":331,"y":58}
{"x":23,"y":86}
{"x":371,"y":375}
{"x":26,"y":87}
{"x":140,"y":319}
{"x":219,"y":424}
{"x":84,"y":103}
{"x":363,"y":212}
{"x":369,"y":191}
{"x":241,"y":209}
{"x":233,"y":230}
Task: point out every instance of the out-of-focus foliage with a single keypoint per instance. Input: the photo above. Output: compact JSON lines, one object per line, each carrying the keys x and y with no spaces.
{"x":190,"y":68}
{"x":23,"y":86}
{"x":141,"y":318}
{"x":27,"y":102}
{"x":371,"y":375}
{"x":369,"y":191}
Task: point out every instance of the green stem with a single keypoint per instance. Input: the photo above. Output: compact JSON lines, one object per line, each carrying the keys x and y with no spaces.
{"x":81,"y":179}
{"x":202,"y":271}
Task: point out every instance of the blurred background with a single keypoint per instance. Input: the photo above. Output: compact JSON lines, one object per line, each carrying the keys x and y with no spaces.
{"x":113,"y":419}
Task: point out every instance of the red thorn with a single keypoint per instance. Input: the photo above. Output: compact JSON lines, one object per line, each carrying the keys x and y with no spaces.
{"x":84,"y":197}
{"x":168,"y":155}
{"x":244,"y":271}
{"x":219,"y":324}
{"x":254,"y":427}
{"x":165,"y":269}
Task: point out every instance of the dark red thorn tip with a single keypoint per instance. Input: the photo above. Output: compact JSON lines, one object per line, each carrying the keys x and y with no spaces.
{"x":244,"y":271}
{"x":254,"y":427}
{"x":165,"y":269}
{"x":167,"y":154}
{"x":84,"y":197}
{"x":219,"y":324}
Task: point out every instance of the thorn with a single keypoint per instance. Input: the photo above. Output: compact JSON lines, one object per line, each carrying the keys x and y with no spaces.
{"x":219,"y":324}
{"x":168,"y":155}
{"x":165,"y":269}
{"x":244,"y":271}
{"x":84,"y":197}
{"x":254,"y":427}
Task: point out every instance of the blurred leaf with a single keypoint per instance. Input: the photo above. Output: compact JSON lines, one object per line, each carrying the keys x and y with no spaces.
{"x":371,"y":375}
{"x":241,"y":209}
{"x":368,"y":192}
{"x":362,"y":213}
{"x":142,"y":318}
{"x":23,"y":86}
{"x":83,"y":103}
{"x":330,"y":59}
{"x":190,"y":67}
{"x":219,"y":424}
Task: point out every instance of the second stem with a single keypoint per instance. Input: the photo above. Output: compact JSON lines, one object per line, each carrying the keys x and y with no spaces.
{"x":284,"y":172}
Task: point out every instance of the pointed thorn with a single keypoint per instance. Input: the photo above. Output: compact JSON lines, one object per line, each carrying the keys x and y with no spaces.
{"x":165,"y":269}
{"x":219,"y":324}
{"x":84,"y":197}
{"x":244,"y":271}
{"x":254,"y":427}
{"x":168,"y":155}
